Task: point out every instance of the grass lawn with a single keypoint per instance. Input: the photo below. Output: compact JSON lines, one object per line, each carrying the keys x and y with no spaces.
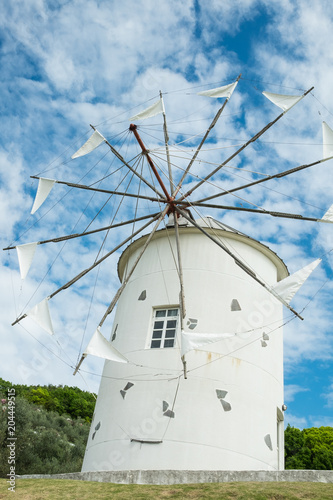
{"x":50,"y":489}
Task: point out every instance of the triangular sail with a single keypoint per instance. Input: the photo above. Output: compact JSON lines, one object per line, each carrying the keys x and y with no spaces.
{"x":288,"y":287}
{"x":284,"y":102}
{"x":327,"y":141}
{"x":40,"y":314}
{"x":154,"y":109}
{"x":224,"y":91}
{"x":92,"y":143}
{"x":25,"y":255}
{"x":190,"y":341}
{"x":328,"y":217}
{"x":100,"y":347}
{"x":43,"y":190}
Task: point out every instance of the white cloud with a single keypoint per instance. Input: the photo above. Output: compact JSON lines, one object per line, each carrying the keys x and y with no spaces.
{"x":290,"y":390}
{"x":321,"y":421}
{"x":328,"y":395}
{"x":295,"y":421}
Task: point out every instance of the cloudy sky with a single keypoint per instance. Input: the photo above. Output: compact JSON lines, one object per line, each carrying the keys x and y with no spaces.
{"x":68,"y":64}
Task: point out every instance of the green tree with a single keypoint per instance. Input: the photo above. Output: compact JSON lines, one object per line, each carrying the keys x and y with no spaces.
{"x":309,"y":448}
{"x":46,"y":443}
{"x":64,"y":400}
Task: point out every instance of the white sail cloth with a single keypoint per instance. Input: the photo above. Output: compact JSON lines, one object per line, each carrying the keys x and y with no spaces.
{"x":327,"y":141}
{"x":40,"y":314}
{"x":284,"y":102}
{"x":43,"y":190}
{"x":154,"y":109}
{"x":190,"y":341}
{"x":328,"y":217}
{"x":224,"y":91}
{"x":92,"y":143}
{"x":25,"y":255}
{"x":288,"y":287}
{"x":100,"y":347}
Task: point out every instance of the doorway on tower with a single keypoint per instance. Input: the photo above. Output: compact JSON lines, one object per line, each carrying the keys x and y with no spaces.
{"x":280,"y":439}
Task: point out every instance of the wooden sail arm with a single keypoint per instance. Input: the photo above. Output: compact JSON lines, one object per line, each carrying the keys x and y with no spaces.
{"x":86,"y":271}
{"x":133,"y":129}
{"x":211,"y":126}
{"x":126,"y":280}
{"x":219,"y":243}
{"x":107,"y":191}
{"x":237,"y":261}
{"x":268,"y":178}
{"x":118,"y":155}
{"x":284,"y":215}
{"x":79,"y":364}
{"x":181,"y":283}
{"x":86,"y":233}
{"x":19,"y":319}
{"x":166,"y":142}
{"x":250,"y":141}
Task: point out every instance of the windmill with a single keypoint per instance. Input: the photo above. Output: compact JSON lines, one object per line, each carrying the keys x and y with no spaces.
{"x":193,"y":377}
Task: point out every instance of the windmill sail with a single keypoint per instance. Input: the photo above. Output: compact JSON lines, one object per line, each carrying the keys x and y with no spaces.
{"x":190,"y":341}
{"x":43,"y":190}
{"x":153,"y":110}
{"x":288,"y":287}
{"x":328,"y":217}
{"x":40,"y":314}
{"x":100,"y":347}
{"x":327,"y":141}
{"x":224,"y":91}
{"x":25,"y":255}
{"x":284,"y":102}
{"x":92,"y":143}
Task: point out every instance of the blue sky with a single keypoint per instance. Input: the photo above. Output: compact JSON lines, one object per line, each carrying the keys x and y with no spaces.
{"x":65,"y":65}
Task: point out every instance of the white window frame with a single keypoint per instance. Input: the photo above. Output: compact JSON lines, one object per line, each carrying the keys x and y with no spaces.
{"x":163,"y":333}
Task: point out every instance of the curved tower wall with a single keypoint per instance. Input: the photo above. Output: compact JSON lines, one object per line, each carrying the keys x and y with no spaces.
{"x":227,"y":414}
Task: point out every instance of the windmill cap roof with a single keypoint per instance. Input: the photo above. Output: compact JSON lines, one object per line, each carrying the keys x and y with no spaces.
{"x":215,"y":224}
{"x":210,"y":224}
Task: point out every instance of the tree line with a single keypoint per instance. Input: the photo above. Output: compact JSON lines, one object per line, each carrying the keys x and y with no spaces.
{"x":67,"y":400}
{"x":52,"y":427}
{"x":308,"y":448}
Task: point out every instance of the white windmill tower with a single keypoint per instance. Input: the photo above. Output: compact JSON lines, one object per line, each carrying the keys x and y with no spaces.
{"x":194,"y":372}
{"x":227,"y":413}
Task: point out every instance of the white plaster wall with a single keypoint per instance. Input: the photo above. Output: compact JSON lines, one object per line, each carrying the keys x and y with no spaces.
{"x":202,"y":436}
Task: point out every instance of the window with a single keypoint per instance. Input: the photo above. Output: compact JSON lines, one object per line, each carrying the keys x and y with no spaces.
{"x":164,"y":328}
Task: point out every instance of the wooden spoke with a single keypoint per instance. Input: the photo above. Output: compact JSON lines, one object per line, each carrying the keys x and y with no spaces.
{"x":268,"y":178}
{"x":250,"y":141}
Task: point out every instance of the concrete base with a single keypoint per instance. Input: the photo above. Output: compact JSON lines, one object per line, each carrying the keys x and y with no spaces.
{"x":185,"y":477}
